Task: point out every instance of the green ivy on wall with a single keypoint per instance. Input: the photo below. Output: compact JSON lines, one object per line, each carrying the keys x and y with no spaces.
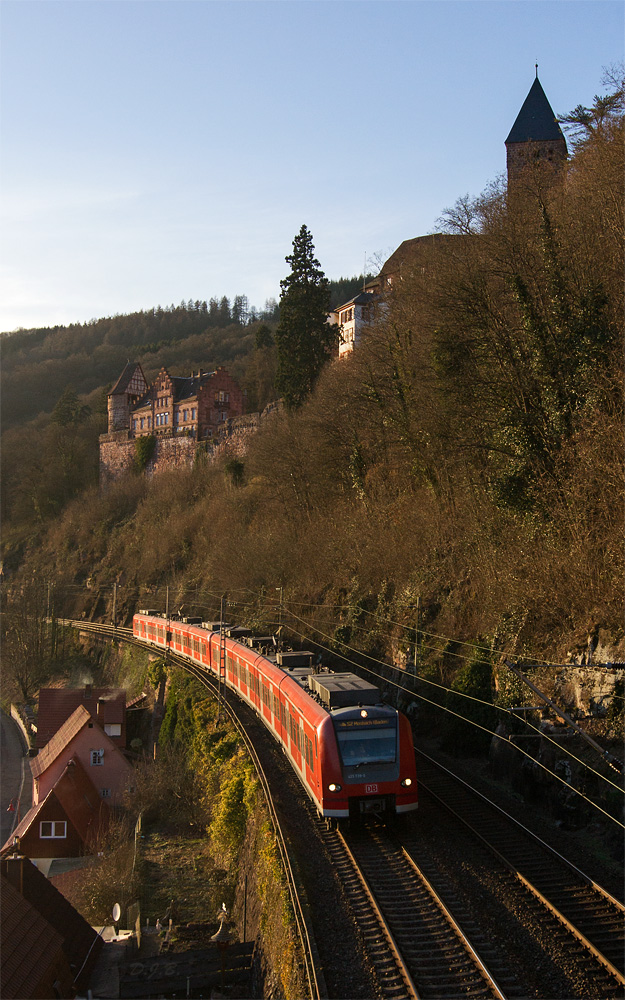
{"x":144,"y":449}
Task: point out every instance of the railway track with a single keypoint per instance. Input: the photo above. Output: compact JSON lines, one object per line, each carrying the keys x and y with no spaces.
{"x":592,"y":917}
{"x":403,"y":905}
{"x":418,"y":948}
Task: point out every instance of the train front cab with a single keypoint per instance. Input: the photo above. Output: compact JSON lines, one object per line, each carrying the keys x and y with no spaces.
{"x":368,"y":764}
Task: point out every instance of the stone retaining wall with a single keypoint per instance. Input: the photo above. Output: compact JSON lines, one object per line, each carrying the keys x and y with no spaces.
{"x":117,"y":449}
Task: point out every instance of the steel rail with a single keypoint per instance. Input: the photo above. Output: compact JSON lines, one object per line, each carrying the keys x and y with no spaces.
{"x":534,"y":836}
{"x":383,"y":923}
{"x":316,"y":982}
{"x":453,"y":932}
{"x":484,"y":972}
{"x":568,"y":924}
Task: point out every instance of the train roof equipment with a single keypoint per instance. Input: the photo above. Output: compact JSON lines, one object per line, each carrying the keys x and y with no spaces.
{"x":256,"y":641}
{"x":343,"y":690}
{"x":238,"y":632}
{"x":300,"y":658}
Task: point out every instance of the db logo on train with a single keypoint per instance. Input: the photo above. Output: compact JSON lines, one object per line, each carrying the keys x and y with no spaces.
{"x":371,"y":788}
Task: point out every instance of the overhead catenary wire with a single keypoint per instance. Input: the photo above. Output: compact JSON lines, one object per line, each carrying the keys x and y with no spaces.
{"x":268,"y":601}
{"x":458,"y":715}
{"x":496,"y":736}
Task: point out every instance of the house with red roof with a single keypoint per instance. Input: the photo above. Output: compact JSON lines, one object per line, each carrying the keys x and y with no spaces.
{"x":81,"y":738}
{"x":77,"y":776}
{"x":66,"y":823}
{"x":107,"y":707}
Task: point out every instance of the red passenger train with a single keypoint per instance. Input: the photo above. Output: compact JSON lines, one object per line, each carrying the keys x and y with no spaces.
{"x":352,"y":754}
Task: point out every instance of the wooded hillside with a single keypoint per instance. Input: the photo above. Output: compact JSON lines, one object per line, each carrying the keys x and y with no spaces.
{"x":466,"y":459}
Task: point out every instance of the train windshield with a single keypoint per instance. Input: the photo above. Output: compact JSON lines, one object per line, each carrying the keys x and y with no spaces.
{"x":368,"y":746}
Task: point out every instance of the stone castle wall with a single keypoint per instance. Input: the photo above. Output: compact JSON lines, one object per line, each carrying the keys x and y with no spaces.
{"x":118,"y":451}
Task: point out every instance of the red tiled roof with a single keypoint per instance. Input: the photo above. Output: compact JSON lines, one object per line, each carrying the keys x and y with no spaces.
{"x":78,"y":938}
{"x":29,"y":943}
{"x":57,"y":704}
{"x":77,"y":794}
{"x":59,"y":741}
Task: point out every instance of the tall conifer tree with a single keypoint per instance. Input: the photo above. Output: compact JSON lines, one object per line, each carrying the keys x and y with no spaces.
{"x":304,"y":338}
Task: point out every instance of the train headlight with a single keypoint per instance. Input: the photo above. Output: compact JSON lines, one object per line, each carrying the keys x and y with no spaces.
{"x":407,"y":782}
{"x":364,"y":713}
{"x":334,"y":788}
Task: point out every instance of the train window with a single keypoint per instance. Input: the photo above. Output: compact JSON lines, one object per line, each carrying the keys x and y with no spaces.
{"x":364,"y":745}
{"x":308,"y":750}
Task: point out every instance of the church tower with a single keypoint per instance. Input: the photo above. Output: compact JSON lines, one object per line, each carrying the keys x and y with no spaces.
{"x":536,"y":139}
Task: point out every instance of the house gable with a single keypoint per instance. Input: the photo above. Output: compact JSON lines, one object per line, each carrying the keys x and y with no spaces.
{"x":83,"y":740}
{"x":67,"y":822}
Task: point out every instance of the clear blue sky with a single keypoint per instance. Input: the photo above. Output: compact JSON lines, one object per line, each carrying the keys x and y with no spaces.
{"x":160,"y":151}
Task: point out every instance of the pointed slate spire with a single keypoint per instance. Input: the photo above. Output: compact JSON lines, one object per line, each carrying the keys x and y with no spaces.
{"x":536,"y":121}
{"x":536,"y":140}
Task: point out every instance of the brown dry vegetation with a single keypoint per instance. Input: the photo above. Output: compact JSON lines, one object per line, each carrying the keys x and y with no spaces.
{"x":469,"y":454}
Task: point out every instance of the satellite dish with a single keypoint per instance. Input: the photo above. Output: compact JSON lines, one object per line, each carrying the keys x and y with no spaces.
{"x":117,"y":912}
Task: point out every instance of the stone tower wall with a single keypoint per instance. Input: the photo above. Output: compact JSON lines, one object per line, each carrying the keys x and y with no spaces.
{"x":548,"y":156}
{"x":118,"y":412}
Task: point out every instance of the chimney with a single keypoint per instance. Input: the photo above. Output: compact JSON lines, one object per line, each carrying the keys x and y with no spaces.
{"x":100,"y":704}
{"x":15,"y":868}
{"x":87,"y":691}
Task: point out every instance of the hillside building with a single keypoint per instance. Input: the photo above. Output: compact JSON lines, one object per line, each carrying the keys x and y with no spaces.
{"x":81,"y":738}
{"x":535,"y":141}
{"x":194,"y":406}
{"x":361,"y":312}
{"x":355,"y":316}
{"x":129,"y":388}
